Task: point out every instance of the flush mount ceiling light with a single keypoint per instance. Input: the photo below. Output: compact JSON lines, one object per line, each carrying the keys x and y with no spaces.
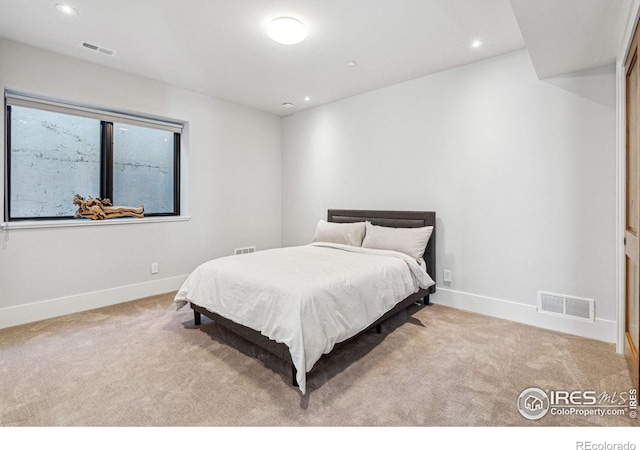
{"x":66,"y":9}
{"x":287,"y":30}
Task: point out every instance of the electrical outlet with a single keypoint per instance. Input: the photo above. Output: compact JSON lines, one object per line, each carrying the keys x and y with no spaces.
{"x":154,"y":268}
{"x":446,"y":276}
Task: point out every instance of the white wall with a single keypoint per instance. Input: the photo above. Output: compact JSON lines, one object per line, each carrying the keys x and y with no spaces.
{"x":520,"y":171}
{"x":233,"y":184}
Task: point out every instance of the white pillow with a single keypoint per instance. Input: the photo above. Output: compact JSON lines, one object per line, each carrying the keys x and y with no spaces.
{"x":340,"y":233}
{"x":411,"y":241}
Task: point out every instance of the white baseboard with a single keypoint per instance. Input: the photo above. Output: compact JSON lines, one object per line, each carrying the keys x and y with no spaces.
{"x":32,"y":312}
{"x":601,"y":329}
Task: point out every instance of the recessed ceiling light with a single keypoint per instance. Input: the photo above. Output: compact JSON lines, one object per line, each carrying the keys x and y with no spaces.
{"x":351,"y":63}
{"x":476,"y":44}
{"x":66,"y":9}
{"x":287,"y":30}
{"x":307,"y":98}
{"x":287,"y":105}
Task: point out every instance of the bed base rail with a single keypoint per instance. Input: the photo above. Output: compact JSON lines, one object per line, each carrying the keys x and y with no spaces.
{"x":281,"y":350}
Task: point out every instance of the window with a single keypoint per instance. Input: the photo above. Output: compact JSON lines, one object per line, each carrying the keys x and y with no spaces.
{"x":52,"y":157}
{"x":55,"y":151}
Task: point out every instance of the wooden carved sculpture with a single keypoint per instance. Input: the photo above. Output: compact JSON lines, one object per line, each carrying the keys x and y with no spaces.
{"x":101,"y":208}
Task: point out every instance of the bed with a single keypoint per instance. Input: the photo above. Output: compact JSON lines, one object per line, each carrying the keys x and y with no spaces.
{"x":299,"y":302}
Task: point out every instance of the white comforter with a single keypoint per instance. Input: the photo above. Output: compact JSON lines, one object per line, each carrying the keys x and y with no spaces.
{"x":308,"y":297}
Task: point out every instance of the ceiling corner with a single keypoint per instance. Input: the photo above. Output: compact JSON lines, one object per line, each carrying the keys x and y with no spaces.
{"x":571,"y":35}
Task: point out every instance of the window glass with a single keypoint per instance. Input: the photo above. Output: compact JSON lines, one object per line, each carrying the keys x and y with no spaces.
{"x":56,"y":151}
{"x":53,"y":156}
{"x":143,"y":168}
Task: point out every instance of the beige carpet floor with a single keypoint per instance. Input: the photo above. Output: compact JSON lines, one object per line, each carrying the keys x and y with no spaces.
{"x":143,"y":363}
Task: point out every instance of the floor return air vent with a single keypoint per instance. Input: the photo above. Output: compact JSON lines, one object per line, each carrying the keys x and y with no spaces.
{"x":566,"y":306}
{"x":244,"y":250}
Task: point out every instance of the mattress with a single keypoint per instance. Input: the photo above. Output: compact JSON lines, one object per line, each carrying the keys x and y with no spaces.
{"x":308,"y":297}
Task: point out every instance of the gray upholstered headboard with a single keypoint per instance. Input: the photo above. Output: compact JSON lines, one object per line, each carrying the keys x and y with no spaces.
{"x":395,"y":219}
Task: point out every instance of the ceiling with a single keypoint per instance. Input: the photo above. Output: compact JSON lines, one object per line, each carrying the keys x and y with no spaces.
{"x":220,"y":47}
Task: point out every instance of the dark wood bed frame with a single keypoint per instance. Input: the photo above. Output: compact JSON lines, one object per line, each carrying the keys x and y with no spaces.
{"x":396,"y":219}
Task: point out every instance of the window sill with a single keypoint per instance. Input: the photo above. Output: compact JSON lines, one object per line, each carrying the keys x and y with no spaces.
{"x":32,"y":224}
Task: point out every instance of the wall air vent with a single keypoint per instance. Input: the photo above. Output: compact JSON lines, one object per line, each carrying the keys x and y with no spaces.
{"x":566,"y":306}
{"x":244,"y":250}
{"x":97,"y":48}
